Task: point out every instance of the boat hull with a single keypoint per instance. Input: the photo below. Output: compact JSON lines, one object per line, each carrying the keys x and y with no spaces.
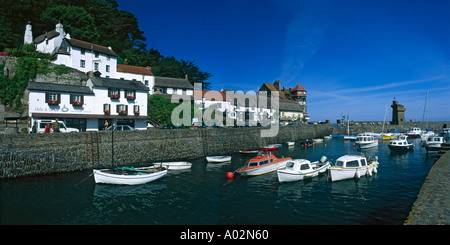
{"x":218,"y":159}
{"x":286,"y":175}
{"x":338,"y":173}
{"x":401,"y":148}
{"x":174,"y":165}
{"x":102,"y":176}
{"x":262,"y":170}
{"x":367,"y":145}
{"x":433,"y":147}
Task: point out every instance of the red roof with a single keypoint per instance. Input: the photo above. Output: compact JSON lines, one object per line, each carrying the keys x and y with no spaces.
{"x":299,"y":88}
{"x":135,"y":69}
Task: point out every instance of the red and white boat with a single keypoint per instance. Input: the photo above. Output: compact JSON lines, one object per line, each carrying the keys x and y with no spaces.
{"x":264,"y":163}
{"x":270,"y":148}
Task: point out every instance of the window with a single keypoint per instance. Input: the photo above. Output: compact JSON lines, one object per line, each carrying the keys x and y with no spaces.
{"x":363,"y":162}
{"x":304,"y":167}
{"x":96,"y":66}
{"x":122,"y":110}
{"x":76,"y":99}
{"x":339,"y":164}
{"x":146,"y":82}
{"x":253,"y":164}
{"x":107,"y":68}
{"x":83,"y":51}
{"x":108,"y":57}
{"x":263,"y":162}
{"x":82,"y":63}
{"x":113,"y":93}
{"x":52,"y":98}
{"x":107,"y":109}
{"x":131,"y":95}
{"x":97,"y":54}
{"x":352,"y":164}
{"x":136,"y":110}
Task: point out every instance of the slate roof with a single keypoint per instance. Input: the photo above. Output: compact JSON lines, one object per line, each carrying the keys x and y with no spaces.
{"x":289,"y":105}
{"x":63,"y":88}
{"x":49,"y":35}
{"x":90,"y":46}
{"x":118,"y":84}
{"x":170,"y":82}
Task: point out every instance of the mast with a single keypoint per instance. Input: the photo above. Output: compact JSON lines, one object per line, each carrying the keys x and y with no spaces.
{"x":112,"y":145}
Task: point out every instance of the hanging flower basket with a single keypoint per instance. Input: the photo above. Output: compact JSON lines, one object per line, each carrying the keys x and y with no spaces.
{"x":136,"y":113}
{"x":107,"y":112}
{"x":123,"y":112}
{"x":114,"y":96}
{"x":130,"y":97}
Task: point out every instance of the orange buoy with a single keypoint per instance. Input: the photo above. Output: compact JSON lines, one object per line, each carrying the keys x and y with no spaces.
{"x":354,"y":144}
{"x":230,"y":175}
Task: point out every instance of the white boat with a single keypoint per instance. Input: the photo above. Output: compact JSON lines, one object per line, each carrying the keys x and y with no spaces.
{"x":387,"y":136}
{"x":298,"y":169}
{"x":350,"y":137}
{"x":127,"y":176}
{"x":400,"y":144}
{"x":434,"y":143}
{"x":290,"y":143}
{"x":318,"y":140}
{"x":352,"y":166}
{"x":217,"y":159}
{"x":327,"y":137}
{"x":424,"y":137}
{"x":174,"y":165}
{"x":264,"y":163}
{"x":365,"y":141}
{"x":414,"y":132}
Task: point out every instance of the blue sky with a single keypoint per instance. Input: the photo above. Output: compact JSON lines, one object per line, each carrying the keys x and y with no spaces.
{"x":352,"y":56}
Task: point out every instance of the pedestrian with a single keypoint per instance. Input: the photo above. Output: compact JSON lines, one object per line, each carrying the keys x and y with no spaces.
{"x":106,"y":124}
{"x":55,"y":126}
{"x":47,"y":128}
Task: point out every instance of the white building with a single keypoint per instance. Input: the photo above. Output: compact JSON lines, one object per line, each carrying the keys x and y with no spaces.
{"x":122,"y":102}
{"x":170,"y":85}
{"x":78,"y":54}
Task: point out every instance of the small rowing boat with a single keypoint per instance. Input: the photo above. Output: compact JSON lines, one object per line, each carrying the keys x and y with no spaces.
{"x":218,"y":159}
{"x":174,"y":165}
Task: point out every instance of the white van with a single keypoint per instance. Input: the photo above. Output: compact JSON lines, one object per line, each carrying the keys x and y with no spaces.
{"x":40,"y":126}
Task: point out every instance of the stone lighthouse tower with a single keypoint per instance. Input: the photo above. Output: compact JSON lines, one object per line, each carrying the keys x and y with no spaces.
{"x":398,"y":113}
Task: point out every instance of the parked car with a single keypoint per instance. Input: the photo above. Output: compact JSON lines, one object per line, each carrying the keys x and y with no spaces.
{"x":121,"y":128}
{"x":40,"y":126}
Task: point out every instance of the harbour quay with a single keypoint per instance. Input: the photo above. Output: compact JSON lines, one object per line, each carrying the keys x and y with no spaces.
{"x":432,"y":206}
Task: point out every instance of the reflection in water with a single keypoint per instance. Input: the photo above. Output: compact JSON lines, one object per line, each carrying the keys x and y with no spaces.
{"x":203,"y":195}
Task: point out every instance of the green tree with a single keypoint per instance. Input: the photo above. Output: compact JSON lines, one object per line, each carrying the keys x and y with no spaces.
{"x":160,"y":110}
{"x":76,"y":21}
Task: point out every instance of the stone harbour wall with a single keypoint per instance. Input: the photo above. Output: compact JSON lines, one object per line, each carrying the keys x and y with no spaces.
{"x":40,"y":154}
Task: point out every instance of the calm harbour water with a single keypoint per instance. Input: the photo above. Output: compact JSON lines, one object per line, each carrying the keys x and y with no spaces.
{"x":203,"y":195}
